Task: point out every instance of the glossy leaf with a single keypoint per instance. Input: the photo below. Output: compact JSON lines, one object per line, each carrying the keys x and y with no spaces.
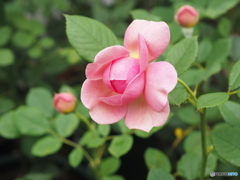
{"x":120,"y":145}
{"x":234,"y":78}
{"x":183,"y":54}
{"x":75,"y":157}
{"x":41,"y":98}
{"x":212,"y":99}
{"x":66,"y":124}
{"x":88,"y":36}
{"x":31,"y":121}
{"x":156,"y":159}
{"x":157,"y":174}
{"x":226,"y":143}
{"x":109,"y":166}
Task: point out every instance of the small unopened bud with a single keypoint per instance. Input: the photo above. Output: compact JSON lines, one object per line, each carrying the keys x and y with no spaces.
{"x":64,"y":102}
{"x":186,"y":16}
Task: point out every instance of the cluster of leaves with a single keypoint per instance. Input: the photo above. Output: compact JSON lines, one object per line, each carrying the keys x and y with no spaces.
{"x":209,"y":64}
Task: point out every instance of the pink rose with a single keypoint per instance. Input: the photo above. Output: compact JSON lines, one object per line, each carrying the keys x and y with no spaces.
{"x":64,"y":102}
{"x":186,"y":16}
{"x":124,"y":83}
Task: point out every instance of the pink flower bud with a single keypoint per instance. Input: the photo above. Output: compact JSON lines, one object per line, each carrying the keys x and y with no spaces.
{"x":64,"y":102}
{"x":186,"y":16}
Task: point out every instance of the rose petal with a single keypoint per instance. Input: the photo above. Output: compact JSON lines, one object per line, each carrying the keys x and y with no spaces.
{"x":161,"y":78}
{"x":156,"y":35}
{"x":103,"y":113}
{"x":95,"y":70}
{"x":143,"y":53}
{"x":92,"y":90}
{"x":141,"y":116}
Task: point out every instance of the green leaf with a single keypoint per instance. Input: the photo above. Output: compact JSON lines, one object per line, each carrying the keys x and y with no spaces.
{"x":91,"y":139}
{"x":183,"y":54}
{"x":212,"y":99}
{"x":218,"y":7}
{"x":189,"y":166}
{"x":41,"y":98}
{"x":175,"y":31}
{"x":224,"y":27}
{"x":189,"y":115}
{"x":88,"y":36}
{"x":45,"y":146}
{"x":122,"y":126}
{"x":143,"y":134}
{"x":31,"y":121}
{"x":35,"y":52}
{"x":75,"y":157}
{"x":46,"y":42}
{"x":23,"y":39}
{"x":230,"y":113}
{"x":6,"y":57}
{"x":165,"y":12}
{"x":238,"y":94}
{"x":5,"y":34}
{"x":156,"y":159}
{"x":6,"y":105}
{"x":66,"y":124}
{"x":235,"y":53}
{"x":120,"y":145}
{"x":205,"y":47}
{"x":114,"y":177}
{"x":109,"y":166}
{"x":104,"y":129}
{"x":157,"y":174}
{"x":234,"y":78}
{"x":178,"y":95}
{"x":220,"y":51}
{"x":226,"y":143}
{"x":8,"y":129}
{"x":143,"y":14}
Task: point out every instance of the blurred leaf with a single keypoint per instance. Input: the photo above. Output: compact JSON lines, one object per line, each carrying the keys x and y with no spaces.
{"x":100,"y":12}
{"x":41,"y":98}
{"x":46,"y":42}
{"x":6,"y":57}
{"x":22,"y":39}
{"x":183,"y":54}
{"x":122,"y":126}
{"x":238,"y":94}
{"x":66,"y":88}
{"x":120,"y":145}
{"x":143,"y":14}
{"x":205,"y":47}
{"x":91,"y":139}
{"x":230,"y":113}
{"x":46,"y":146}
{"x":37,"y":176}
{"x":178,"y":95}
{"x":143,"y":134}
{"x":212,"y":99}
{"x":50,"y":67}
{"x":193,"y":76}
{"x":189,"y":115}
{"x":31,"y":121}
{"x":166,"y":13}
{"x":8,"y":128}
{"x":211,"y":164}
{"x":36,"y":27}
{"x":5,"y":34}
{"x":226,"y":143}
{"x":122,"y":10}
{"x":75,"y":157}
{"x":156,"y":159}
{"x":88,"y":36}
{"x":189,"y":166}
{"x":35,"y":52}
{"x":220,"y":51}
{"x":114,"y":177}
{"x":6,"y":105}
{"x":218,"y":7}
{"x":234,"y":78}
{"x":70,"y":54}
{"x":157,"y":174}
{"x":235,"y":53}
{"x":175,"y":31}
{"x":109,"y":166}
{"x":66,"y":124}
{"x":224,"y":27}
{"x":103,"y":129}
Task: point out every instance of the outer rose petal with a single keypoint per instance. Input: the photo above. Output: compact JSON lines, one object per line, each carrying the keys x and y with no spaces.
{"x":161,"y":78}
{"x":103,"y":113}
{"x":141,"y":116}
{"x":143,"y":53}
{"x":92,"y":90}
{"x":156,"y":35}
{"x":95,"y":70}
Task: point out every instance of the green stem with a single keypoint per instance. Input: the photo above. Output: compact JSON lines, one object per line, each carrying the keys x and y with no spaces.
{"x":233,"y":92}
{"x":75,"y":145}
{"x":85,"y":120}
{"x":203,"y":141}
